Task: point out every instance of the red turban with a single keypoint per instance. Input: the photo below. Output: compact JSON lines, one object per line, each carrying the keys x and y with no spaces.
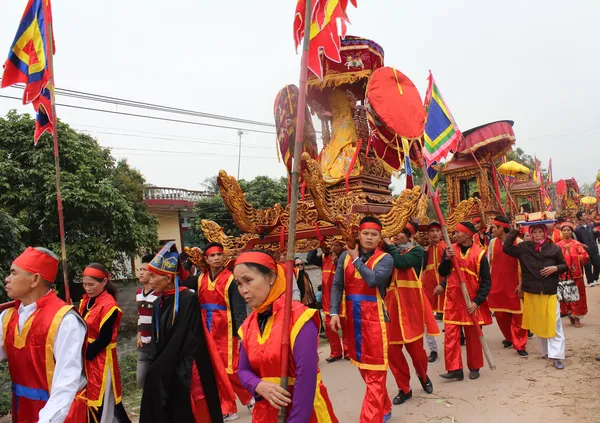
{"x":35,"y":261}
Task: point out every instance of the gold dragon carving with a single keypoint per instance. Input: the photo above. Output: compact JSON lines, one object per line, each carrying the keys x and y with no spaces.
{"x":246,"y":217}
{"x":403,"y":208}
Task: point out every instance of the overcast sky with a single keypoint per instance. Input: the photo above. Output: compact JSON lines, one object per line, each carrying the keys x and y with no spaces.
{"x":534,"y":62}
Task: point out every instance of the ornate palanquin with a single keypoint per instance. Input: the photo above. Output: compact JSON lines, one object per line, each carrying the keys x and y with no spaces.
{"x":465,"y":180}
{"x":568,"y":197}
{"x":471,"y":171}
{"x":527,"y":194}
{"x":346,"y":181}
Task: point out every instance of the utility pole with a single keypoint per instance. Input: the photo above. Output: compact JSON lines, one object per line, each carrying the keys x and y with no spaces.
{"x":240,"y":133}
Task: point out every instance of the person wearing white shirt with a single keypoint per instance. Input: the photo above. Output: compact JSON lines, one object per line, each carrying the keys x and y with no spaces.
{"x":42,"y":339}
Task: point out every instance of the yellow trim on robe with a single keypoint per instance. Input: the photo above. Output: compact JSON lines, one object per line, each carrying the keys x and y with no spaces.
{"x":304,"y":317}
{"x":50,"y":343}
{"x":319,"y":403}
{"x":108,"y":366}
{"x":229,"y":368}
{"x":262,"y":338}
{"x":20,"y":337}
{"x":107,"y":315}
{"x":7,"y":317}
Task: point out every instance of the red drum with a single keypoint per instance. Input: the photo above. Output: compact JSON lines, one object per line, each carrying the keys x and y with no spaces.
{"x":396,"y":112}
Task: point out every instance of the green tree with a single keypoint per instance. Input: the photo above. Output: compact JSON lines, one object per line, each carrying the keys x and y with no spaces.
{"x":587,"y":188}
{"x":261,"y":192}
{"x":106,"y":219}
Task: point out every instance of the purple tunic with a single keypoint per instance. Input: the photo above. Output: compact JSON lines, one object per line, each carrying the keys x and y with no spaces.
{"x":305,"y":360}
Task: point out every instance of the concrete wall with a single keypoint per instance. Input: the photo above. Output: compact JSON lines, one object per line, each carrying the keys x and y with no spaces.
{"x":168,"y":227}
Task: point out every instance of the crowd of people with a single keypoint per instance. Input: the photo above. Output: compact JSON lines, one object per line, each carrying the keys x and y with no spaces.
{"x":200,"y":352}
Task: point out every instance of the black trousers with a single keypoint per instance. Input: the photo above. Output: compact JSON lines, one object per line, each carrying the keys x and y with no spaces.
{"x":592,"y":269}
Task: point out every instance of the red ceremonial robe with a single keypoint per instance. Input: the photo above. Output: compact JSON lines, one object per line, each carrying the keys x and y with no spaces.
{"x":556,"y":235}
{"x":575,"y":257}
{"x":367,"y":334}
{"x":506,"y":275}
{"x":216,"y":314}
{"x":431,"y":278}
{"x":477,"y":240}
{"x":337,"y":346}
{"x":455,"y":309}
{"x":264,"y":355}
{"x":409,"y":313}
{"x":96,"y":369}
{"x":30,"y":355}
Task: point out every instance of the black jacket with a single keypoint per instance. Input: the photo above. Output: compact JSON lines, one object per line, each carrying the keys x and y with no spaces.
{"x":166,"y":397}
{"x":533,"y":262}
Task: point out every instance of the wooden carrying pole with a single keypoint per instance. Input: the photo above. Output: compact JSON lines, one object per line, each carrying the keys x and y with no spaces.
{"x":61,"y":222}
{"x":295,"y":177}
{"x":455,"y":265}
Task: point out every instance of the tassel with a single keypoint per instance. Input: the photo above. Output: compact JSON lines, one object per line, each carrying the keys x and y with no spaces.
{"x":282,"y":237}
{"x":319,"y":235}
{"x":354,"y":157}
{"x":303,"y":189}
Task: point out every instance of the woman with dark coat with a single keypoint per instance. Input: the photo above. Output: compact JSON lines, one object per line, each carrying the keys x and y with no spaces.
{"x":541,"y":262}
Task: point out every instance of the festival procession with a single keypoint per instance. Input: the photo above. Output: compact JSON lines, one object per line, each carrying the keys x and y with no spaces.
{"x":400,"y":267}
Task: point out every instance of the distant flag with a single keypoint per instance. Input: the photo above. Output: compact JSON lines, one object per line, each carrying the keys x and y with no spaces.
{"x":27,"y":61}
{"x":324,"y":35}
{"x":550,"y":177}
{"x":441,"y":132}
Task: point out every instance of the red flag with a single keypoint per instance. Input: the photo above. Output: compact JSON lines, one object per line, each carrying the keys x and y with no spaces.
{"x":324,"y":34}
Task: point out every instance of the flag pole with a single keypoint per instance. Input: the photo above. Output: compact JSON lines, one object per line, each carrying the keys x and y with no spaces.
{"x":61,"y":223}
{"x":455,"y":265}
{"x":295,"y":177}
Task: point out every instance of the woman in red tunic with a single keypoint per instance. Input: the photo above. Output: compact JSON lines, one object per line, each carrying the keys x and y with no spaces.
{"x":102,"y":315}
{"x":262,"y":284}
{"x":575,"y":257}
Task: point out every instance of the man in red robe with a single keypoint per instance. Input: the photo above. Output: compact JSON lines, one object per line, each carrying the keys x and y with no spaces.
{"x":327,"y":261}
{"x":362,"y":273}
{"x":223,"y":312}
{"x":476,"y":271}
{"x":504,"y":298}
{"x":409,"y":313}
{"x":431,"y":279}
{"x":481,"y":236}
{"x":45,"y":387}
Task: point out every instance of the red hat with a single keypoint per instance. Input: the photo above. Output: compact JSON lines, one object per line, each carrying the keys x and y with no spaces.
{"x":35,"y":261}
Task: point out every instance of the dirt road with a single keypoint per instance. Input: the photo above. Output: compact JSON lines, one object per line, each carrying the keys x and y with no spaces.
{"x":519,"y":390}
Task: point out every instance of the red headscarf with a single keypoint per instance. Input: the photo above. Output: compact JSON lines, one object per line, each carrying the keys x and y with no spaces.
{"x":35,"y":261}
{"x":539,"y":244}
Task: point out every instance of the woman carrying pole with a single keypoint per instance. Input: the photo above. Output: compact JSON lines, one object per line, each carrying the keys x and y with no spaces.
{"x":261,"y":281}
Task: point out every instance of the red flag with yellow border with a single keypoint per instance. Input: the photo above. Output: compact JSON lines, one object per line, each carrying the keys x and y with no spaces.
{"x":324,"y":33}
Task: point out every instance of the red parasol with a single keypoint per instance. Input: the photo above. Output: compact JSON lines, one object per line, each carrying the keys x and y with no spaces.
{"x":492,"y":139}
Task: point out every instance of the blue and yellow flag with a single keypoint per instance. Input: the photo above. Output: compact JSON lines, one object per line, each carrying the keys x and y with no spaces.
{"x":432,"y":172}
{"x":43,"y":108}
{"x":27,"y":61}
{"x":441,"y":132}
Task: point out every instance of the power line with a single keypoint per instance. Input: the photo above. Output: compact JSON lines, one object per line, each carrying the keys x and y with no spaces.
{"x":150,"y":106}
{"x":179,"y":153}
{"x":175,"y":139}
{"x":113,"y":112}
